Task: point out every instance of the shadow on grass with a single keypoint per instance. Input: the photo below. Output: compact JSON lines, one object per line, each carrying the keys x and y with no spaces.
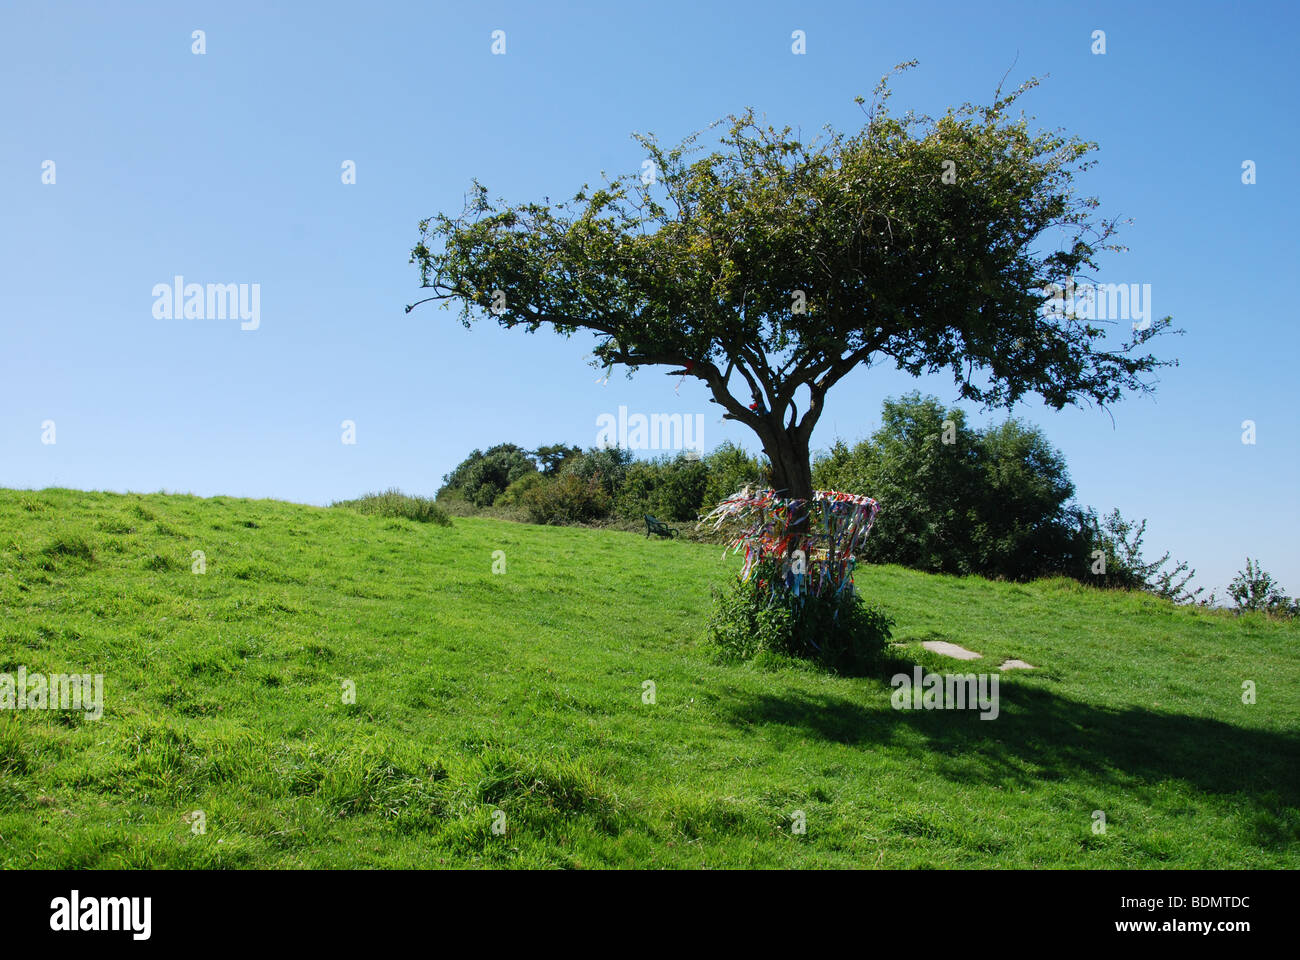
{"x":1042,"y":736}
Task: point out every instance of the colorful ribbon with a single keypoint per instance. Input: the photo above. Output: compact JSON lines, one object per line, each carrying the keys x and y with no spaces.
{"x":809,"y":545}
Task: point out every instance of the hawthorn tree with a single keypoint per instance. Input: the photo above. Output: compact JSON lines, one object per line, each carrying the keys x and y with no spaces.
{"x":770,"y":267}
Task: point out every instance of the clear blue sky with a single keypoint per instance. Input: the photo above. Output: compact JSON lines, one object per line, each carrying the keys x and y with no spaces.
{"x":225,"y":168}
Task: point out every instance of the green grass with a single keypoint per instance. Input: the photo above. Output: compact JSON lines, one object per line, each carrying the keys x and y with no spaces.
{"x":393,"y":503}
{"x":522,"y":692}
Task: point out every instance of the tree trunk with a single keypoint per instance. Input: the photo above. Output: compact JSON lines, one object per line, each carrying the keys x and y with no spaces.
{"x":791,"y":474}
{"x":791,"y":464}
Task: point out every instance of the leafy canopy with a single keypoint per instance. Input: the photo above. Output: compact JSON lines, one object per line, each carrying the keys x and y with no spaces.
{"x":703,"y":266}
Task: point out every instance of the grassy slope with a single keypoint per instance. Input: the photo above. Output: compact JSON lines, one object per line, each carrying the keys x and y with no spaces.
{"x":523,"y":692}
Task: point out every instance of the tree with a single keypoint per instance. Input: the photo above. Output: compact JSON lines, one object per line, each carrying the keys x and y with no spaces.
{"x":482,"y":477}
{"x":929,"y":486}
{"x":552,"y":457}
{"x":1027,"y":525}
{"x":770,"y":268}
{"x":990,"y":501}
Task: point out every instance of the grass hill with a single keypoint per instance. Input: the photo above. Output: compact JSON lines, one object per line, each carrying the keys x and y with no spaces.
{"x":522,"y":692}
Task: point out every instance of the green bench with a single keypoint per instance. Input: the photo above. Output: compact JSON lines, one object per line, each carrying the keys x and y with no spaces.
{"x":658,"y":527}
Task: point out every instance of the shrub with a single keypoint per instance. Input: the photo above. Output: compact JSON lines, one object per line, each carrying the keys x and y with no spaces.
{"x":730,"y":469}
{"x":1023,"y":526}
{"x":670,"y":489}
{"x":1120,"y":541}
{"x":843,"y":633}
{"x":682,"y":483}
{"x":514,"y":494}
{"x":482,"y":477}
{"x":449,"y":498}
{"x":606,"y":465}
{"x":1255,"y":589}
{"x":394,"y":503}
{"x":567,"y":499}
{"x":636,"y":495}
{"x":928,"y":489}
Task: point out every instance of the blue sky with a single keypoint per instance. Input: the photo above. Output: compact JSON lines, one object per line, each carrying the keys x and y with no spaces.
{"x":226,"y":168}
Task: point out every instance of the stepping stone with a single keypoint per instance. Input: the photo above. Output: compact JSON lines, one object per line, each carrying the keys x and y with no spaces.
{"x":950,"y":649}
{"x":1017,"y":665}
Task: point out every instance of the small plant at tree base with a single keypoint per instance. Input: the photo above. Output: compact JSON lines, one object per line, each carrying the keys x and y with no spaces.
{"x":1255,"y":589}
{"x":840,"y":631}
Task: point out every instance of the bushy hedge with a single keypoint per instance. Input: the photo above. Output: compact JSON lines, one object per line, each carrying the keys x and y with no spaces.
{"x":482,"y":477}
{"x":606,"y":482}
{"x":993,"y":501}
{"x":669,"y":489}
{"x":607,"y":466}
{"x":514,"y":494}
{"x":567,"y":499}
{"x":731,"y":468}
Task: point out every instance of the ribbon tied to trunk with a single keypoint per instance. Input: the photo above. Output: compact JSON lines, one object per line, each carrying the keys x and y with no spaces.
{"x":807,"y":547}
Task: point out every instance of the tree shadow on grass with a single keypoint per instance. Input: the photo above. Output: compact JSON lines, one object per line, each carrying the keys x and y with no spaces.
{"x":1040,"y":735}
